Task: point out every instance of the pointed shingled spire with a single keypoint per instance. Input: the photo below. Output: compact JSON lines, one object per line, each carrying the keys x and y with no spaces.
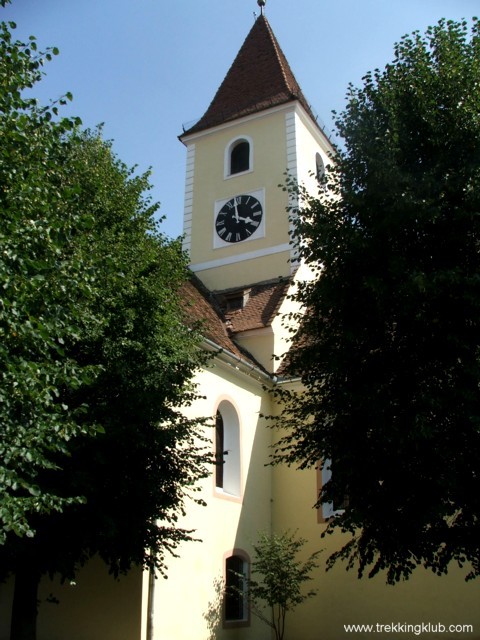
{"x":259,"y":78}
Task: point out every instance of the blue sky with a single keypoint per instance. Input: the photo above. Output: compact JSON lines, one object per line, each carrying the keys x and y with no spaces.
{"x":146,"y":67}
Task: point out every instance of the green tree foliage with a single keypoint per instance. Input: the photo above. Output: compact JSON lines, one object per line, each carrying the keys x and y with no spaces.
{"x":96,"y":456}
{"x":277,"y":578}
{"x":37,"y":267}
{"x":389,"y":348}
{"x":145,"y":460}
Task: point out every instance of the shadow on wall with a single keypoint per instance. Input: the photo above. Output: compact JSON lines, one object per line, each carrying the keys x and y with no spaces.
{"x":213,"y":614}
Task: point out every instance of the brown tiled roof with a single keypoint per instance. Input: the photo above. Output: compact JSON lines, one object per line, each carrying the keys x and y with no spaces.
{"x":201,"y":310}
{"x":206,"y":311}
{"x":261,"y":306}
{"x":259,"y":78}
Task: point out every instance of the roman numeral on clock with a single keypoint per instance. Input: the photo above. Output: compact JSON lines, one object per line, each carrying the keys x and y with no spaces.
{"x":238,"y":218}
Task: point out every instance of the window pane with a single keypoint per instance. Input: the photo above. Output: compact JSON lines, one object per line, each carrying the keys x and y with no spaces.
{"x":219,"y":450}
{"x":320,"y":167}
{"x":234,"y":589}
{"x":227,"y":450}
{"x":240,"y":158}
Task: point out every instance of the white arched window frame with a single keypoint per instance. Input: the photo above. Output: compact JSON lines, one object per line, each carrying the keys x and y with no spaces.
{"x":227,"y":450}
{"x":230,"y":149}
{"x":319,"y":167}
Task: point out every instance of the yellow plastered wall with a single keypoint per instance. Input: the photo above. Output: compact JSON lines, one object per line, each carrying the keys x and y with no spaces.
{"x":269,"y":345}
{"x":285,"y":323}
{"x":267,"y":132}
{"x":343,"y":599}
{"x":94,"y":607}
{"x":261,"y":344}
{"x":189,"y":604}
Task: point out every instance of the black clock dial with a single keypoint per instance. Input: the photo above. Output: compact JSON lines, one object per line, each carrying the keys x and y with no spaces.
{"x":239,"y":218}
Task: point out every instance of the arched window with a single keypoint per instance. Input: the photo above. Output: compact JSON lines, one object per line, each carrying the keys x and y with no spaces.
{"x":227,"y":449}
{"x":235,"y":595}
{"x":319,"y":167}
{"x":340,"y":501}
{"x":219,"y":450}
{"x":238,"y":156}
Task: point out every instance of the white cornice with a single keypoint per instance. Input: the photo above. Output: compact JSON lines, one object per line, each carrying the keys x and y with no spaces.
{"x":314,"y":129}
{"x":294,"y":105}
{"x":250,"y":255}
{"x":231,"y":361}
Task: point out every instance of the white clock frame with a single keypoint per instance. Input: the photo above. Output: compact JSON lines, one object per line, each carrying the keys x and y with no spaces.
{"x":259,"y":194}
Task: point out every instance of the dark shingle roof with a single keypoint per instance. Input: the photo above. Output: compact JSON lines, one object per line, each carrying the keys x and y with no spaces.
{"x":206,"y":311}
{"x":201,"y":310}
{"x":259,"y":78}
{"x":262,"y":302}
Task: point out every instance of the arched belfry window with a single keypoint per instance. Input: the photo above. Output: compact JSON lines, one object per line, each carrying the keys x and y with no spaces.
{"x":319,"y":167}
{"x":239,"y":156}
{"x":227,"y":450}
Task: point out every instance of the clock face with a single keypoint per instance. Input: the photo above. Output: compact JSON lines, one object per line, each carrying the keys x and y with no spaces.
{"x":239,"y":218}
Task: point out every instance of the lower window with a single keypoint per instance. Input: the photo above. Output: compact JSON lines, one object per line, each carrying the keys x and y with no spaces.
{"x":330,"y":509}
{"x":235,"y":597}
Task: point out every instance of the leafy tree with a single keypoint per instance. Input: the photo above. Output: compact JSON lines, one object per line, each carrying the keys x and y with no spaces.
{"x":277,"y":577}
{"x":388,"y":350}
{"x":97,"y":457}
{"x":36,"y":319}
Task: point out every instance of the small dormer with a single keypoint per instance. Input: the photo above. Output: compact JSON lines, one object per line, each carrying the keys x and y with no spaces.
{"x":251,"y":314}
{"x":232,"y":301}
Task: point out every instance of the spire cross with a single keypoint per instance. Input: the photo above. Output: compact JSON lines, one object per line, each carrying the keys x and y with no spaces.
{"x":261,"y":4}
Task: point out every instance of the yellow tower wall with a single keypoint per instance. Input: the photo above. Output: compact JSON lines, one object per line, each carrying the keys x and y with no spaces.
{"x":258,"y":259}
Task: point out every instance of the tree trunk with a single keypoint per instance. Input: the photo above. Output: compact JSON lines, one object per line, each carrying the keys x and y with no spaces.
{"x":25,"y":604}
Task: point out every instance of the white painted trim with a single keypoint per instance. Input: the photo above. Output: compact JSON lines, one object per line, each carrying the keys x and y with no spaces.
{"x":292,"y":166}
{"x":228,"y":153}
{"x":188,"y":198}
{"x":232,"y":445}
{"x":315,"y":128}
{"x":250,"y":255}
{"x":228,"y":361}
{"x":288,"y":106}
{"x":291,"y":138}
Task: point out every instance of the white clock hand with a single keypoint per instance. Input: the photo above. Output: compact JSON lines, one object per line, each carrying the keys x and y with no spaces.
{"x":236,"y":210}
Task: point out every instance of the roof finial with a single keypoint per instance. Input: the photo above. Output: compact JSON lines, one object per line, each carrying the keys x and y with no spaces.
{"x":261,"y":4}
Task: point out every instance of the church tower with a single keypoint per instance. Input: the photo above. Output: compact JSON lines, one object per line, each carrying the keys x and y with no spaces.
{"x":258,"y":126}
